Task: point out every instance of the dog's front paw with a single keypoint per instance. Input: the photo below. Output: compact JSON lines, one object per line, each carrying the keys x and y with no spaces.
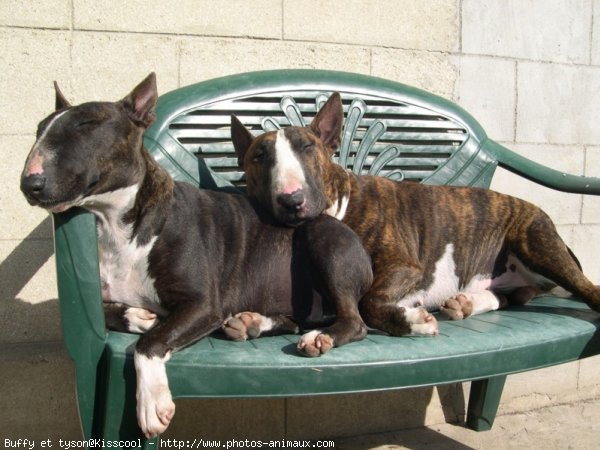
{"x":422,"y":322}
{"x":243,"y":326}
{"x":315,"y":343}
{"x":155,"y":409}
{"x":458,"y":307}
{"x":140,"y":320}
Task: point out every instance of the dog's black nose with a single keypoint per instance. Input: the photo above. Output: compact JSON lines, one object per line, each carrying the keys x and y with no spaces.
{"x":33,"y":185}
{"x":293,"y":201}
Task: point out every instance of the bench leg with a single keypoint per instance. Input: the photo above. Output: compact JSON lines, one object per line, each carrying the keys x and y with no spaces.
{"x":483,"y":402}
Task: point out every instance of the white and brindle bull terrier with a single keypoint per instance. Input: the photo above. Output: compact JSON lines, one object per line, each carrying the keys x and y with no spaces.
{"x":463,"y":251}
{"x":177,"y":262}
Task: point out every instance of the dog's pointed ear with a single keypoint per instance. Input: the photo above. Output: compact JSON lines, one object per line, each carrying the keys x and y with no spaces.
{"x":61,"y":102}
{"x":141,"y":101}
{"x":241,"y":138}
{"x":327,"y":124}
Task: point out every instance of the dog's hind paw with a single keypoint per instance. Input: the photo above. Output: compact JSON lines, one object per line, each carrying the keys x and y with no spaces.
{"x":140,"y":320}
{"x":315,"y":343}
{"x":422,"y":322}
{"x":243,"y":326}
{"x":458,"y":307}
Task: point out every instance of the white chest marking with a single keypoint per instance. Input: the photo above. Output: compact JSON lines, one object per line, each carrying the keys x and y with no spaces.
{"x":287,"y":174}
{"x":338,"y":210}
{"x":123,"y":264}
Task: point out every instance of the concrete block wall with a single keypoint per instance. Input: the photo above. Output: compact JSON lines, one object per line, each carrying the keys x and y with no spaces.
{"x":527,"y":70}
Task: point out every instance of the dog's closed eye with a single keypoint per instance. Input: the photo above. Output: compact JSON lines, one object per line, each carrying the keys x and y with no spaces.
{"x":259,"y":156}
{"x":86,"y":123}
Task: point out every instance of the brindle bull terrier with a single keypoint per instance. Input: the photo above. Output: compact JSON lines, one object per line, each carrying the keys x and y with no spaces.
{"x":177,"y":261}
{"x":464,"y":251}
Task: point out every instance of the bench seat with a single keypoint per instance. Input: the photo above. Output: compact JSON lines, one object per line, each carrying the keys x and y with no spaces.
{"x":547,"y":331}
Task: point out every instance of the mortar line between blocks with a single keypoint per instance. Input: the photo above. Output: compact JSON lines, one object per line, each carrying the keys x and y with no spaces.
{"x":520,"y":59}
{"x":282,"y":20}
{"x":34,"y":28}
{"x":72,"y":11}
{"x":516,"y":107}
{"x":460,"y":26}
{"x":591,"y":40}
{"x":179,"y":54}
{"x":173,"y":34}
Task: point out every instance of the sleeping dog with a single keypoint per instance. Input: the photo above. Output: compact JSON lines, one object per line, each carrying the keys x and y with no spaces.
{"x":462,"y":250}
{"x":191,"y":257}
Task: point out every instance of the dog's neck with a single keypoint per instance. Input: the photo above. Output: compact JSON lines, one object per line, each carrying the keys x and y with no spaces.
{"x":154,"y":194}
{"x":108,"y":207}
{"x":135,"y":211}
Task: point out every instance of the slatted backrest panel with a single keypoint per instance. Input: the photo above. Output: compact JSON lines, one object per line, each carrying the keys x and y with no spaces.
{"x":399,"y":139}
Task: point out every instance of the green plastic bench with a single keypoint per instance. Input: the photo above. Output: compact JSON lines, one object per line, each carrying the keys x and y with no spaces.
{"x":392,"y":130}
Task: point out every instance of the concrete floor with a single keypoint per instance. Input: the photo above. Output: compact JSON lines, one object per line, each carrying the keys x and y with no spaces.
{"x":568,"y":426}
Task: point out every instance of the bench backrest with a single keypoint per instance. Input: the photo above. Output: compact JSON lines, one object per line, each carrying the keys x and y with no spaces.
{"x":390,"y":129}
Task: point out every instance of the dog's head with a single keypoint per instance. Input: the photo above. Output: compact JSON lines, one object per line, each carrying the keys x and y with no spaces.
{"x":285,"y":169}
{"x":88,"y":149}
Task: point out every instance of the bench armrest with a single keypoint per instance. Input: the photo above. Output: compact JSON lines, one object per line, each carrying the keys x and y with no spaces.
{"x":81,"y":308}
{"x":541,"y":174}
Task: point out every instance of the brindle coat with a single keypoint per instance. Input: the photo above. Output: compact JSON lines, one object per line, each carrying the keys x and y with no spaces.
{"x":458,"y":249}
